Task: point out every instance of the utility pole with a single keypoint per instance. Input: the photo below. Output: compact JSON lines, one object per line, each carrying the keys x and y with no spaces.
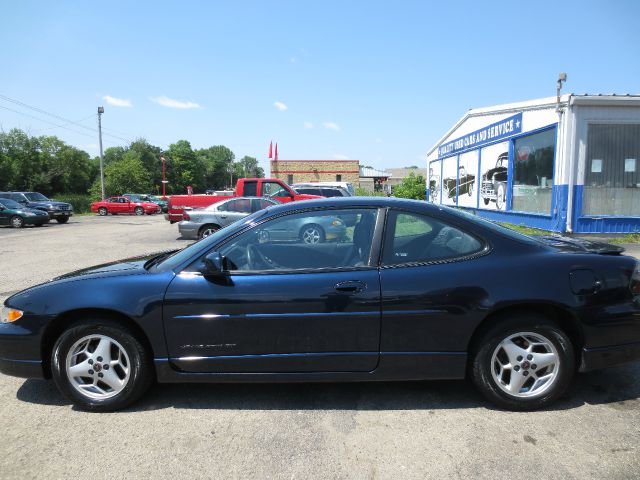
{"x":100,"y":112}
{"x":164,"y":177}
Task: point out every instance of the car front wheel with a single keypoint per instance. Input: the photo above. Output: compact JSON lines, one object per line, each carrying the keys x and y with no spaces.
{"x":100,"y":366}
{"x":102,"y":211}
{"x":523,"y":363}
{"x":17,"y":222}
{"x":312,"y":234}
{"x":62,"y":219}
{"x":138,"y":211}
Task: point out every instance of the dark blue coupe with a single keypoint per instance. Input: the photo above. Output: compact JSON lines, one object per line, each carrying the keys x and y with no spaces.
{"x":411,"y":291}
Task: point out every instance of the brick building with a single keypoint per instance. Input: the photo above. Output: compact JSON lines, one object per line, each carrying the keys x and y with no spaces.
{"x":298,"y":171}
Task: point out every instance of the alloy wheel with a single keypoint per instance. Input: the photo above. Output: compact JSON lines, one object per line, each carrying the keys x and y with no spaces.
{"x":525,"y":364}
{"x":98,"y":367}
{"x":311,"y":235}
{"x":17,"y":222}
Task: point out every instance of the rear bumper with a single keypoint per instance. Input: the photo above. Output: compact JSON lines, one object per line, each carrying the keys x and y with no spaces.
{"x":602,"y":357}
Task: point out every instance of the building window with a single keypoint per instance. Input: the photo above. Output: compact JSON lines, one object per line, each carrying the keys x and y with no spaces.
{"x":338,"y":178}
{"x":612,"y":171}
{"x":533,"y":172}
{"x":290,"y":179}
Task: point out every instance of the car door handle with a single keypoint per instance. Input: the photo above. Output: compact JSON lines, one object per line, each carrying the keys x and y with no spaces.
{"x":350,"y":286}
{"x":223,"y":216}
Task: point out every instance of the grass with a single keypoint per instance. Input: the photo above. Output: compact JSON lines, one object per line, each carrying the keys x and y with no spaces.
{"x":628,"y":238}
{"x":523,"y":229}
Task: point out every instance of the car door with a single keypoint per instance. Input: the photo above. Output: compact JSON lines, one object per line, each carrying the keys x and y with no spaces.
{"x":276,"y":191}
{"x":283,"y":307}
{"x":433,"y":280}
{"x":4,"y":214}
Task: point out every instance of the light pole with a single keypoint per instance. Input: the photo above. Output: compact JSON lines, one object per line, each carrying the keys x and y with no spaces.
{"x":164,"y":177}
{"x":561,"y":79}
{"x":100,"y":112}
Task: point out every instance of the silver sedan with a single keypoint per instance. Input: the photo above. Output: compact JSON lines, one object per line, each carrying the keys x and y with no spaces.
{"x":203,"y":222}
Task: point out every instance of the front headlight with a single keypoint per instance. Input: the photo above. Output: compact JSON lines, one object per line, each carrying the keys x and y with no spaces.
{"x":51,"y":207}
{"x":10,"y":315}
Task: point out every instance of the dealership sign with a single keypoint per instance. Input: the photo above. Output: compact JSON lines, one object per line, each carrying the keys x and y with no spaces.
{"x":491,"y":133}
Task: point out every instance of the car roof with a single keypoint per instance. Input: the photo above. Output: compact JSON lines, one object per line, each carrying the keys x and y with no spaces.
{"x":342,"y":202}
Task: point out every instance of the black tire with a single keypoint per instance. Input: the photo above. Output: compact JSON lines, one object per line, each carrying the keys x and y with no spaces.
{"x":486,"y":201}
{"x":138,"y":211}
{"x":62,"y":219}
{"x":139,"y":364}
{"x":310,"y":238}
{"x":17,"y":221}
{"x":207,"y":230}
{"x":482,"y":365}
{"x":103,"y":212}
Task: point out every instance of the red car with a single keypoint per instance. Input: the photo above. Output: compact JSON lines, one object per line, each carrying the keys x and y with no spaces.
{"x":116,"y":205}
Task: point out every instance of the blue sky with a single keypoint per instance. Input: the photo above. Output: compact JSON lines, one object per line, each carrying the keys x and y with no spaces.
{"x":374,"y":81}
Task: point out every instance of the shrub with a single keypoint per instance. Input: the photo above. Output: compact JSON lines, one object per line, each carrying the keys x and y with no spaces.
{"x":81,"y":203}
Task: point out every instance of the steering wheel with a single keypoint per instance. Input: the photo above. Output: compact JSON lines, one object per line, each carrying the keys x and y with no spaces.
{"x":255,"y":258}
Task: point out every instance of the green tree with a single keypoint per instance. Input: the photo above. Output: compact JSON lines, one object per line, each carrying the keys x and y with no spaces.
{"x":248,"y":167}
{"x":184,"y":168}
{"x":217,"y":161}
{"x":123,"y":176}
{"x":414,"y":186}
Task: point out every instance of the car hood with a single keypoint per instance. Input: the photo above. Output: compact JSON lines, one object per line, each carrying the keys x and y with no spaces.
{"x":304,"y":196}
{"x":128,"y":266}
{"x":579,"y":245}
{"x":48,"y":204}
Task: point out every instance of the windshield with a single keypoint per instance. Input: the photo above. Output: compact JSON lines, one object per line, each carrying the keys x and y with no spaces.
{"x":36,"y":197}
{"x":175,"y":260}
{"x":10,"y":203}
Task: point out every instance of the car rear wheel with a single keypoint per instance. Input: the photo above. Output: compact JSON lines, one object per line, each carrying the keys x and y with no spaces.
{"x":62,"y":219}
{"x":102,"y":211}
{"x":17,"y":222}
{"x":138,"y":211}
{"x":523,"y":363}
{"x":207,"y":230}
{"x":312,"y":234}
{"x":100,"y":365}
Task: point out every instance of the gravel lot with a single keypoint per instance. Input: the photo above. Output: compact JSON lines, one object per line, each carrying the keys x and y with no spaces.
{"x":386,"y":430}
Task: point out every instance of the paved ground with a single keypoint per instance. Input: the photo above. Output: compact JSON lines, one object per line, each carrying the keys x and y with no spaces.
{"x":388,"y":430}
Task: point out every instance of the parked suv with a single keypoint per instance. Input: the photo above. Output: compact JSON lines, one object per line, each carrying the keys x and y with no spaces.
{"x":61,"y":211}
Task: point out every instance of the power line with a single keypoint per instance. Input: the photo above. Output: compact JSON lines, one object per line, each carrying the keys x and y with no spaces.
{"x":46,"y":121}
{"x":53,"y":115}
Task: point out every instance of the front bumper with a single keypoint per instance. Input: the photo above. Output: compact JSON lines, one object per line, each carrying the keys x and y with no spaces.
{"x":37,"y":220}
{"x":20,"y":351}
{"x":54,"y":214}
{"x":612,"y":356}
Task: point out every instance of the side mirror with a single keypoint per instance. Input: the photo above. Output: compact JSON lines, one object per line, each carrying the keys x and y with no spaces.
{"x":215,"y":265}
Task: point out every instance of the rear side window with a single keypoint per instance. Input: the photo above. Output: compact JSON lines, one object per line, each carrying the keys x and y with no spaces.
{"x":414,"y":238}
{"x":308,"y":191}
{"x":250,"y":189}
{"x":330,"y":192}
{"x":241,"y":205}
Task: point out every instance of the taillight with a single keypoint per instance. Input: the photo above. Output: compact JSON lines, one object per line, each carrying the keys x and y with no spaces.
{"x":185,"y":216}
{"x":635,"y":280}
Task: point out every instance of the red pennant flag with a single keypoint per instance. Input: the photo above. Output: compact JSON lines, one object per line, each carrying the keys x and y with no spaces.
{"x":276,"y":151}
{"x":270,"y":147}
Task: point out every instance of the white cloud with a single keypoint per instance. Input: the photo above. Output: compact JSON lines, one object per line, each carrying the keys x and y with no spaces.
{"x":171,"y":103}
{"x":308,"y":125}
{"x":339,"y":156}
{"x":293,"y":60}
{"x":280,"y":106}
{"x":331,"y":126}
{"x":117,"y":102}
{"x":378,"y":140}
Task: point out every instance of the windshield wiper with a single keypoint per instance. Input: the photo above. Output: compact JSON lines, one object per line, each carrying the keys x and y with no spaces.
{"x":161,"y":256}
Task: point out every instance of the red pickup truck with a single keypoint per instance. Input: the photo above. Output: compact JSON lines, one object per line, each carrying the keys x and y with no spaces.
{"x":246,"y":187}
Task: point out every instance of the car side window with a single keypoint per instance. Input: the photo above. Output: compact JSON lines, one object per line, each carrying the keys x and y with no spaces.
{"x":415,"y":238}
{"x":302,"y":241}
{"x":241,"y":206}
{"x":273,"y":189}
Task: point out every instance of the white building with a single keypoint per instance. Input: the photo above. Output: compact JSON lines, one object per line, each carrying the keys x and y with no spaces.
{"x":567,"y":167}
